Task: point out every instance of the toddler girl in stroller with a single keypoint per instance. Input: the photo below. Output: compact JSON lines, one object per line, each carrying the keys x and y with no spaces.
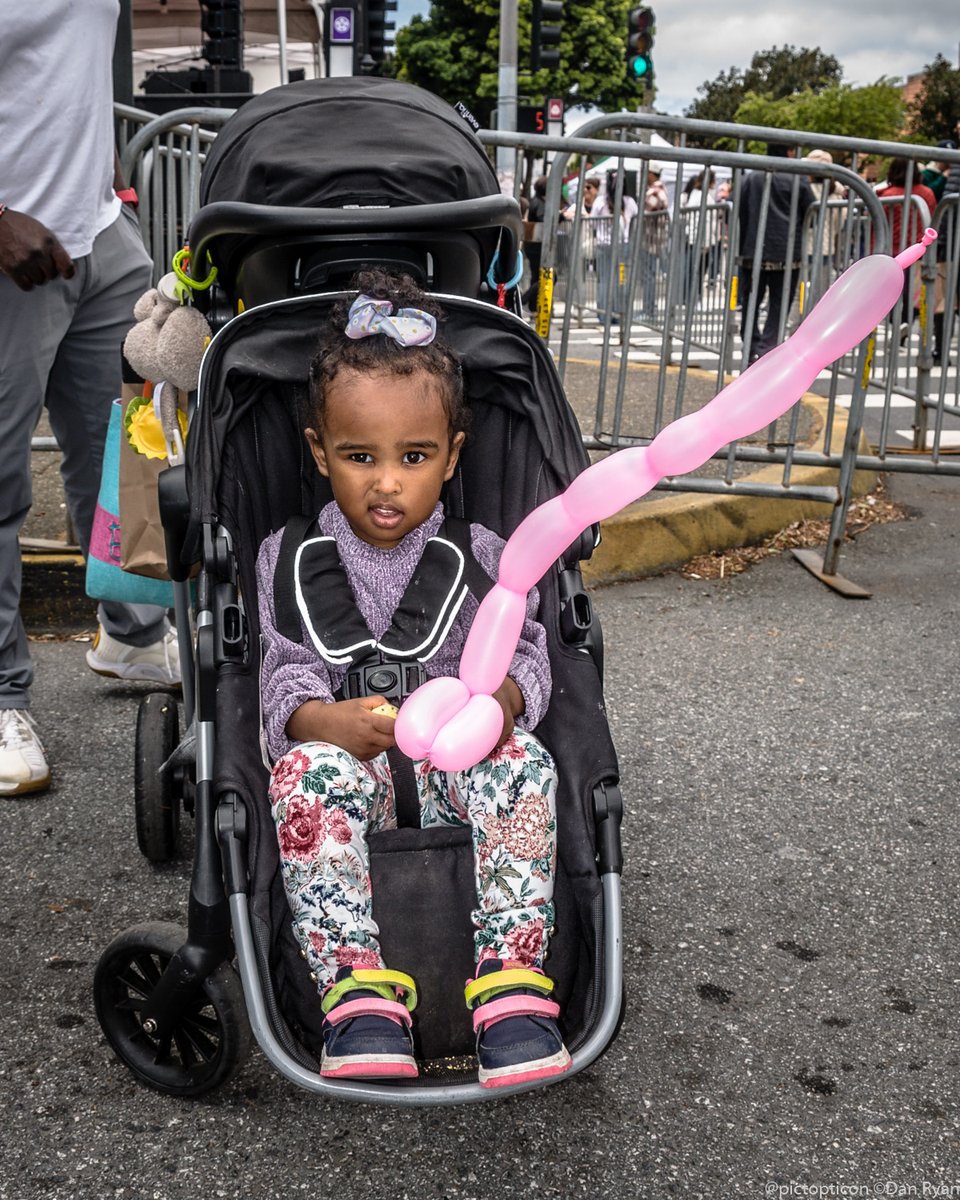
{"x":387,"y":423}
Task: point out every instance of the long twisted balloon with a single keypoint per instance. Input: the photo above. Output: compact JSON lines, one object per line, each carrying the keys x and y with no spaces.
{"x":456,"y":722}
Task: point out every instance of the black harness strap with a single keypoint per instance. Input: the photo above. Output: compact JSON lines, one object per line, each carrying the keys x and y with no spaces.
{"x":284,"y":580}
{"x":288,"y":620}
{"x":406,"y":798}
{"x":458,"y":531}
{"x":287,"y":610}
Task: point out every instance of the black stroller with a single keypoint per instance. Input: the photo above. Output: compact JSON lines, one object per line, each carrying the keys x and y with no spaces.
{"x":414,"y":192}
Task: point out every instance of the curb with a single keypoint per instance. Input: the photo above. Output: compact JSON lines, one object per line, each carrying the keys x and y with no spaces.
{"x":652,"y":536}
{"x":53,"y":595}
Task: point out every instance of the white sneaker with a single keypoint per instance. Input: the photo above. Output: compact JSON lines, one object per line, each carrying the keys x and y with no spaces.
{"x":157,"y":663}
{"x":23,"y":767}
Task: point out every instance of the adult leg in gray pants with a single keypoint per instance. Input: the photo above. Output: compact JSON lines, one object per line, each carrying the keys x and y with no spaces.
{"x":60,"y":347}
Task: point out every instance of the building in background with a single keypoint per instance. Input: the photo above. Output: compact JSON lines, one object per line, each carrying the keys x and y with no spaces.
{"x":200,"y":52}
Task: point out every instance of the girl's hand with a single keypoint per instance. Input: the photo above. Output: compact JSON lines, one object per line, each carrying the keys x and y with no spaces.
{"x":350,"y":724}
{"x":511,"y":700}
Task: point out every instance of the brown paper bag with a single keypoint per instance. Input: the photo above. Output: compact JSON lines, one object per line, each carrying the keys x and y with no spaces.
{"x":142,"y":547}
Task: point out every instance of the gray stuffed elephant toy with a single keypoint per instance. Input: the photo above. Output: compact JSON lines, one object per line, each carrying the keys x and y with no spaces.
{"x":168,"y":340}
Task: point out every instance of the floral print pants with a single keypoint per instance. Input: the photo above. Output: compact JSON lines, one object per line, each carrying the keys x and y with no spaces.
{"x":325,"y":802}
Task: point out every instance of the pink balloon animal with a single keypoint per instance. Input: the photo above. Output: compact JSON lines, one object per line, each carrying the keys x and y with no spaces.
{"x":456,"y":722}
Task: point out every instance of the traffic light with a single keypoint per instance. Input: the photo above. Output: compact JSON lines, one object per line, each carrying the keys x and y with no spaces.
{"x":380,"y":28}
{"x":642,"y":27}
{"x":222,"y":24}
{"x":545,"y":34}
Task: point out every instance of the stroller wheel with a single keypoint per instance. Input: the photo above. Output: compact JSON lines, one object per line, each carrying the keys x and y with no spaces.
{"x":208,"y":1041}
{"x":156,"y":796}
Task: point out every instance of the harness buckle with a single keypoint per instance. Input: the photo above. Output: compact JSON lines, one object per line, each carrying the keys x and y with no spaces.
{"x":383,"y":677}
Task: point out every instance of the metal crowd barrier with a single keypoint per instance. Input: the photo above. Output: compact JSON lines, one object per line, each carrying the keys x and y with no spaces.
{"x":696,"y":317}
{"x":163,"y":160}
{"x":675,"y":283}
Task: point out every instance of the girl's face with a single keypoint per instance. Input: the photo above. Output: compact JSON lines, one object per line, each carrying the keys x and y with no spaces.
{"x":387,"y":451}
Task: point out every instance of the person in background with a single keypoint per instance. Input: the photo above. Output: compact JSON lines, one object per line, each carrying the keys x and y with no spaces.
{"x":700,"y":247}
{"x":72,"y":264}
{"x":934,"y":174}
{"x":904,"y":233}
{"x":612,"y":239}
{"x":591,"y":186}
{"x":656,"y":232}
{"x":533,"y":240}
{"x":586,"y":262}
{"x":824,"y":190}
{"x":950,"y":187}
{"x":773,"y":265}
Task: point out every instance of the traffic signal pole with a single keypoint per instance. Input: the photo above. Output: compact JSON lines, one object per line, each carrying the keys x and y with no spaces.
{"x":507,"y":82}
{"x":282,"y":38}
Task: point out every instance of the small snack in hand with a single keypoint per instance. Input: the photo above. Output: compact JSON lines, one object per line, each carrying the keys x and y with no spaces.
{"x":385,"y":710}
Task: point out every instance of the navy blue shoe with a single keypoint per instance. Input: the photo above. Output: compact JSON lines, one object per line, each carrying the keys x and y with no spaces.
{"x":366,"y":1029}
{"x":517,"y":1036}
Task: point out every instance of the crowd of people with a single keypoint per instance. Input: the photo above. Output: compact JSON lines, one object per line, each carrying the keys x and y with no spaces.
{"x":796,"y":243}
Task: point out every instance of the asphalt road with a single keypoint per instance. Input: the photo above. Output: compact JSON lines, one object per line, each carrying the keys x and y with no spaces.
{"x":790,"y":770}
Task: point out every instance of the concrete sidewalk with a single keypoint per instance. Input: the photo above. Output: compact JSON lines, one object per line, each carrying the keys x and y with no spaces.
{"x":662,"y":530}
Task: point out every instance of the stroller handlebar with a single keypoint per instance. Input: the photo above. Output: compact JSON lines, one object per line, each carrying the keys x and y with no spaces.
{"x":234,"y":218}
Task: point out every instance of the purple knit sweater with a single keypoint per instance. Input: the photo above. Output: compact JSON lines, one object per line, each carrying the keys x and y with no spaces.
{"x":292,"y":673}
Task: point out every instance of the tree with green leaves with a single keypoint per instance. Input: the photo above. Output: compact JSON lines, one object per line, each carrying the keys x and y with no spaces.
{"x":934,"y":114}
{"x":784,"y":70}
{"x":773,"y":74}
{"x":454,"y":52}
{"x":874,"y":112}
{"x":719,"y":98}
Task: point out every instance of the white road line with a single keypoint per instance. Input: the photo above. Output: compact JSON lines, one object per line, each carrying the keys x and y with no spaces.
{"x":949,"y":438}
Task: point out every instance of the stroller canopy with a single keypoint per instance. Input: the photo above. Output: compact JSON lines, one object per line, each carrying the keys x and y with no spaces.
{"x":335,"y":143}
{"x":308,"y":181}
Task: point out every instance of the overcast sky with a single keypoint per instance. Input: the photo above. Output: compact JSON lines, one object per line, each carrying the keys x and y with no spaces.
{"x":697,"y":39}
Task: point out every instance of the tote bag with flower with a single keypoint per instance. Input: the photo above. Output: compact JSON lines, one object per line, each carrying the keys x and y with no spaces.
{"x":106,"y":578}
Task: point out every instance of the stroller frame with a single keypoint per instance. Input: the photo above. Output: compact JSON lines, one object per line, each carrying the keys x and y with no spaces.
{"x":195,"y":972}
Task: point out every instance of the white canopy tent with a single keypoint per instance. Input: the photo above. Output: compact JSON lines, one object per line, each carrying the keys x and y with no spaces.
{"x":672,"y":174}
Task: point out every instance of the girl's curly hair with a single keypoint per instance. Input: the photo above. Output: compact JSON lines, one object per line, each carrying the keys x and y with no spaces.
{"x":380,"y":354}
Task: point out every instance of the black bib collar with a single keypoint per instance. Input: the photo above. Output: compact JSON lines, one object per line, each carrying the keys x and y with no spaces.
{"x":427,"y":609}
